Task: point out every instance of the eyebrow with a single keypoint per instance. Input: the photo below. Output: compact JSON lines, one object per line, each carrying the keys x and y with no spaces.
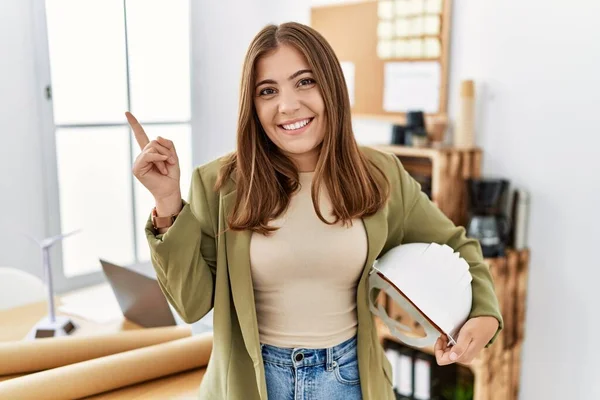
{"x":294,"y":75}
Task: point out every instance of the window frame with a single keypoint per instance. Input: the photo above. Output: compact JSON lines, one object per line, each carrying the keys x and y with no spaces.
{"x":47,"y":131}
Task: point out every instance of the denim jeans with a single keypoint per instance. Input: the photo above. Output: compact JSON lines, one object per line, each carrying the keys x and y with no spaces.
{"x":315,"y":374}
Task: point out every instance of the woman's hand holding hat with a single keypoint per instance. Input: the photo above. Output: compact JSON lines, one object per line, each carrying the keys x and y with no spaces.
{"x":474,"y":335}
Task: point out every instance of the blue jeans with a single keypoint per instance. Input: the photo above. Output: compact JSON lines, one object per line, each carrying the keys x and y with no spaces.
{"x":315,"y":374}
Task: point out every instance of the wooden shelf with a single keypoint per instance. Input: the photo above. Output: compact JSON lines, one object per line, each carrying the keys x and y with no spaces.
{"x":408,"y":151}
{"x":450,"y":168}
{"x":496,"y":370}
{"x":426,"y":152}
{"x":400,"y":118}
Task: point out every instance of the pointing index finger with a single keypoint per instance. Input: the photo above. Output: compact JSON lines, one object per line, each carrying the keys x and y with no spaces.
{"x":138,"y":131}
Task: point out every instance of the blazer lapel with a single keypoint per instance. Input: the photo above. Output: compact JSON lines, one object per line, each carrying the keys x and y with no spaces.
{"x":376,"y":228}
{"x":238,"y":261}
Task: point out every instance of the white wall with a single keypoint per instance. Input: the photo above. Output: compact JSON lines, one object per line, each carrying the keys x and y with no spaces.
{"x":537,"y":63}
{"x":22,"y":202}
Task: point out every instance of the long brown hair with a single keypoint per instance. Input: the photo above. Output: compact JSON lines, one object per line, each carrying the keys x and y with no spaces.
{"x":265,"y":178}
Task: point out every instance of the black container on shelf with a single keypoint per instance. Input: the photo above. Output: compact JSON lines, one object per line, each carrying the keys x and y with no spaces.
{"x":416,"y":130}
{"x":487,"y":196}
{"x":488,"y":221}
{"x":399,"y":135}
{"x":415,"y":119}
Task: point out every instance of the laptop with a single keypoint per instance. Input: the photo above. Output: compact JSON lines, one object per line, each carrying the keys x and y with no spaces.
{"x":138,"y":294}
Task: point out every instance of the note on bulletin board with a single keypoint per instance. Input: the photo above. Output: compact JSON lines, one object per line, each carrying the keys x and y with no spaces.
{"x":348,"y":69}
{"x":411,"y":86}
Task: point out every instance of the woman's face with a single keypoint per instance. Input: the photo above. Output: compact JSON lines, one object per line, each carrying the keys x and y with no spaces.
{"x":289,"y":105}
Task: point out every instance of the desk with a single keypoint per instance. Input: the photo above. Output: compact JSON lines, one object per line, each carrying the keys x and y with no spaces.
{"x":15,"y":324}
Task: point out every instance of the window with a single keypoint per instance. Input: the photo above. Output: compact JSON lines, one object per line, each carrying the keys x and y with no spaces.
{"x":107,"y":57}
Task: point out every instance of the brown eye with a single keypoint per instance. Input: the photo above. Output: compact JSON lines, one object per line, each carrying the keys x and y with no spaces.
{"x":266,"y":92}
{"x":306,"y":82}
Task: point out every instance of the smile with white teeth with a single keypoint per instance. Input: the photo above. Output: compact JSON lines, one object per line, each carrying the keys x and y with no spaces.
{"x":296,"y":125}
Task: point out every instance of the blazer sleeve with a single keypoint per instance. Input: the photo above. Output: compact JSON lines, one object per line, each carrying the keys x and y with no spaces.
{"x":185,"y":256}
{"x":424,"y":222}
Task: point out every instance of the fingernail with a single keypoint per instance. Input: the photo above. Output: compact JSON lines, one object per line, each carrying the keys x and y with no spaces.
{"x":453,"y":356}
{"x":172,"y":160}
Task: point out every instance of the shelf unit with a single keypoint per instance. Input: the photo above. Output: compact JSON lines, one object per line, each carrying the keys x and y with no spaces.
{"x":448,"y":168}
{"x":496,"y":370}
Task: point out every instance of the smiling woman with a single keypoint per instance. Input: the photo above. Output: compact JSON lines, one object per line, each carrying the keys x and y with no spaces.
{"x":280,"y":236}
{"x":295,"y":117}
{"x":290,"y":108}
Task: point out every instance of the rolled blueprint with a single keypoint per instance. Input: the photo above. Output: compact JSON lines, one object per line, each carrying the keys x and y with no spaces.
{"x":31,"y":356}
{"x":107,"y":373}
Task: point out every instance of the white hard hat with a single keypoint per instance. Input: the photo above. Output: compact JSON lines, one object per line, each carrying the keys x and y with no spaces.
{"x":428,"y":281}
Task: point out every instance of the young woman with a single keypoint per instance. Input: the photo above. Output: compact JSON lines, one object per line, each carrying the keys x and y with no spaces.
{"x":279,"y":236}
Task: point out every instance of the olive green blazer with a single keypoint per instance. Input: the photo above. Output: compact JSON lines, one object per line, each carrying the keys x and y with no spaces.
{"x":198,"y":269}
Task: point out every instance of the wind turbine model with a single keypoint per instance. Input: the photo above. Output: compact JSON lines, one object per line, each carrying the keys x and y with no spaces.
{"x":51,"y":325}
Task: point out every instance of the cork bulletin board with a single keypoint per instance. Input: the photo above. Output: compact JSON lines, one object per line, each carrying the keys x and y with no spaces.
{"x":394,"y":54}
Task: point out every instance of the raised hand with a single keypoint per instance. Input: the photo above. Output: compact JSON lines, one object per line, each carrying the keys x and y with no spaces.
{"x":157,"y":166}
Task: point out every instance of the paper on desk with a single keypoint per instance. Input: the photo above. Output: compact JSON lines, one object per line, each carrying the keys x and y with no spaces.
{"x":102,"y":374}
{"x":98,"y":305}
{"x":410,"y":86}
{"x":31,"y":356}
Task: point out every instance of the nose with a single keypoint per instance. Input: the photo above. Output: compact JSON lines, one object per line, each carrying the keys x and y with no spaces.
{"x":288,"y":102}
